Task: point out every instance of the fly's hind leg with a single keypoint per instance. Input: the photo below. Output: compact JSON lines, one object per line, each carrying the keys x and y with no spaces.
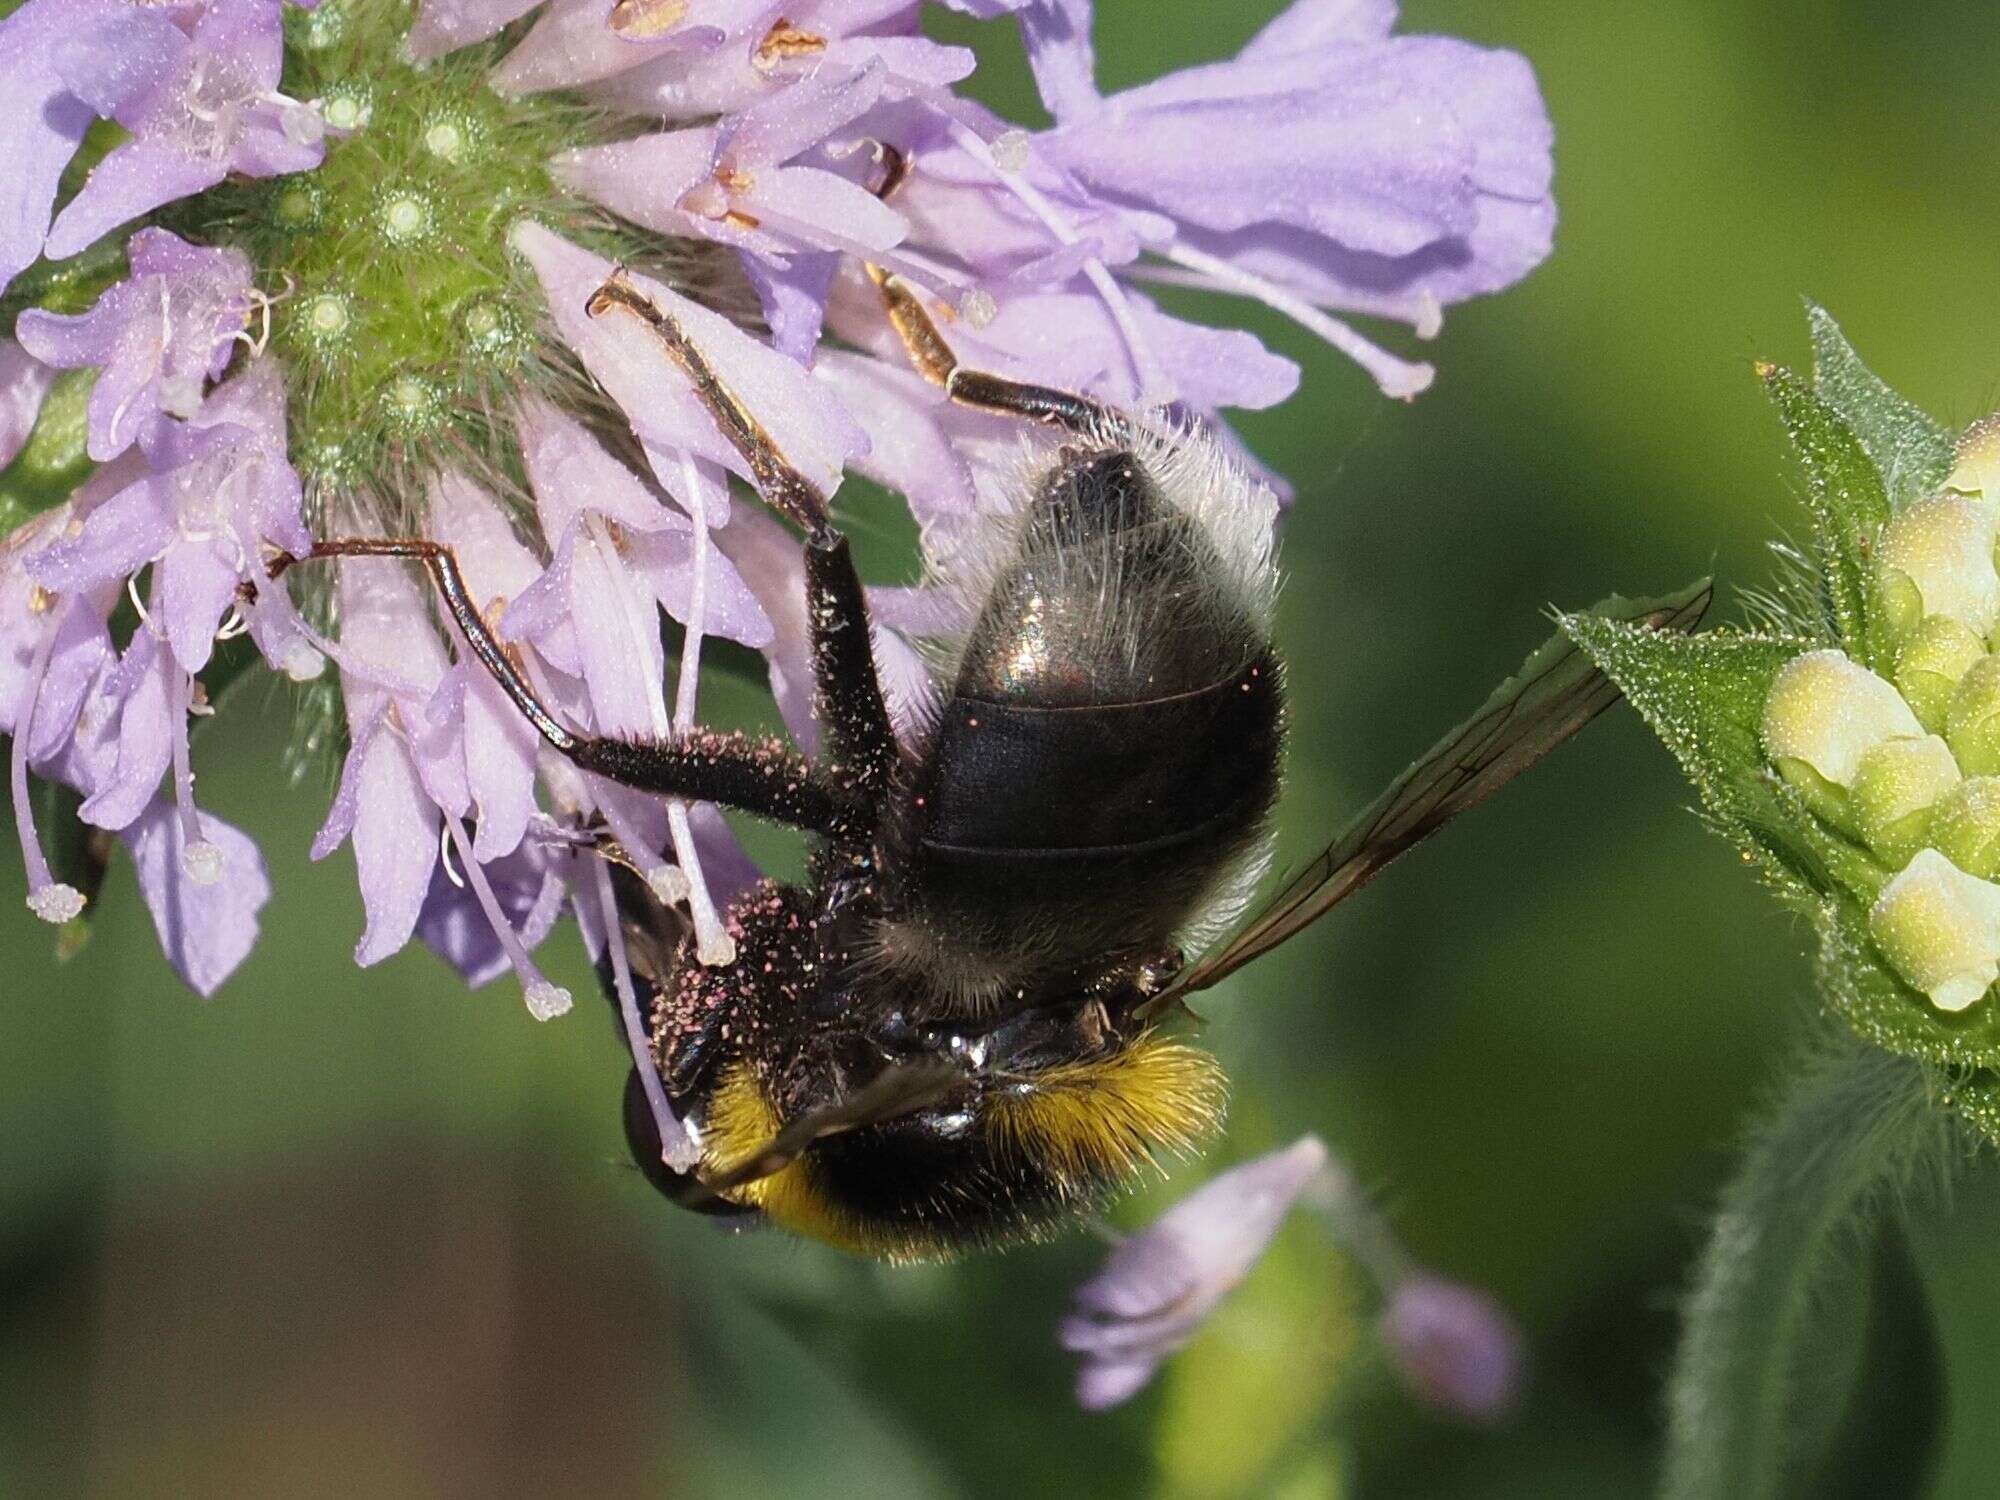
{"x":763,"y":778}
{"x":847,"y":691}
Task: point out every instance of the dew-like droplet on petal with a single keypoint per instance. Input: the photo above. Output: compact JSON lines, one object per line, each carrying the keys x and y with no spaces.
{"x":56,"y":902}
{"x":301,"y":661}
{"x":203,"y":862}
{"x":546,"y":1000}
{"x":978,"y":308}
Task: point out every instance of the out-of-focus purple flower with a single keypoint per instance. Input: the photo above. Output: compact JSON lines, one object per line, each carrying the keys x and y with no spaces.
{"x":24,"y":382}
{"x":1160,"y":1285}
{"x":220,"y":489}
{"x":199,"y":104}
{"x":159,"y":336}
{"x":1454,"y":1346}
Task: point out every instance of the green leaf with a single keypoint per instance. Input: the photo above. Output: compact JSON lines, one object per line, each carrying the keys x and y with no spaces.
{"x":1879,"y":1006}
{"x":1849,"y":508}
{"x":1704,"y":697}
{"x":52,"y":463}
{"x":1912,"y":452}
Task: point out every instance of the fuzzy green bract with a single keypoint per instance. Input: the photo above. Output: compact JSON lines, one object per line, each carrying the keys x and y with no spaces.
{"x":1867,"y":453}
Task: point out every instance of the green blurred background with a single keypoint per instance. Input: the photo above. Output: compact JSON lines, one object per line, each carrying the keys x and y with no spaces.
{"x":358,"y":1233}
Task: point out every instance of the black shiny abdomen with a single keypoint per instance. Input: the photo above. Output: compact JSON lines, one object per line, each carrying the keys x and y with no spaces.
{"x":1110,"y":745}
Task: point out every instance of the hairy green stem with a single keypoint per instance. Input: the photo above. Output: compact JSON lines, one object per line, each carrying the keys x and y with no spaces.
{"x":1853,"y":1129}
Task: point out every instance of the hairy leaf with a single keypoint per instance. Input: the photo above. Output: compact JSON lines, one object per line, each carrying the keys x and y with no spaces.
{"x":1849,"y":508}
{"x":1704,"y":697}
{"x":1912,"y":452}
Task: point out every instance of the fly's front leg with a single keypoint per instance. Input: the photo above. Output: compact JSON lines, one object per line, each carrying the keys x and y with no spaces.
{"x":847,"y":691}
{"x":760,"y":777}
{"x":933,"y":359}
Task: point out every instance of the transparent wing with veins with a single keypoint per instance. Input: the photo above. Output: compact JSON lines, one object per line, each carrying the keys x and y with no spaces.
{"x":1557,"y":692}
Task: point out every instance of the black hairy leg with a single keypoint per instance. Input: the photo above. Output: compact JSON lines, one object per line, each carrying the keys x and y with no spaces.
{"x":762,"y":777}
{"x":847,"y":691}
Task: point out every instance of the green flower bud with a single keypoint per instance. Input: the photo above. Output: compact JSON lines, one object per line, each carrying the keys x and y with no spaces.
{"x":1823,"y":714}
{"x":1965,"y":826}
{"x":1973,"y":723}
{"x":1895,"y":789}
{"x":1931,"y":665}
{"x":1940,"y":929}
{"x":1939,"y":554}
{"x":1978,"y":471}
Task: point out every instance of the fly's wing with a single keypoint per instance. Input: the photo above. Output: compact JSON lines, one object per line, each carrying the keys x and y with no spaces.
{"x":898,"y":1090}
{"x":1556,"y":692}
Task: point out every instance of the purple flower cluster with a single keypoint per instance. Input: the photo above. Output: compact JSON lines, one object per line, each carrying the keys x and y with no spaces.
{"x":1329,"y":167}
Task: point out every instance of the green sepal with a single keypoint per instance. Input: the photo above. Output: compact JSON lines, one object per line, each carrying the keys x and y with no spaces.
{"x":1849,"y":509}
{"x":1913,"y":453}
{"x":1873,"y":999}
{"x":53,"y":462}
{"x":1704,"y":697}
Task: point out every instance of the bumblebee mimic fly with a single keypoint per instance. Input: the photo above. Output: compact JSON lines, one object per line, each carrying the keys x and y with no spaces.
{"x":959,"y":1030}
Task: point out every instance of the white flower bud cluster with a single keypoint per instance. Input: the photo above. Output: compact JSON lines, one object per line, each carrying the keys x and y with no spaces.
{"x":1911,"y":766}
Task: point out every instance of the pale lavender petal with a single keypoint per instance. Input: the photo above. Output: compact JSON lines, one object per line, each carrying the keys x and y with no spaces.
{"x":196,"y":586}
{"x":1210,"y":1239}
{"x":436,"y":740}
{"x":206,"y":931}
{"x":573,"y":44}
{"x":395,"y":847}
{"x":790,"y":122}
{"x":24,"y":381}
{"x":1307,"y":24}
{"x":1454,"y":1346}
{"x":643,"y":179}
{"x":121,"y":58}
{"x":346,"y":804}
{"x":118,"y":539}
{"x":1102,"y":1384}
{"x":807,"y":424}
{"x":82,"y":649}
{"x":500,"y":752}
{"x":665,"y":560}
{"x":453,"y":925}
{"x":571,"y":472}
{"x":618,"y":636}
{"x":825,"y":209}
{"x":770,"y":560}
{"x":248,"y":34}
{"x":446,"y":25}
{"x":41,"y":122}
{"x":1057,"y":33}
{"x":144,"y":739}
{"x":137,"y":177}
{"x":793,"y":298}
{"x":725,"y":867}
{"x":908,"y":450}
{"x":496,"y":564}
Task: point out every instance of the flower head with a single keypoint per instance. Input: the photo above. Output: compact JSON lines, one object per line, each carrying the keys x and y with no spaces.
{"x":324,"y":271}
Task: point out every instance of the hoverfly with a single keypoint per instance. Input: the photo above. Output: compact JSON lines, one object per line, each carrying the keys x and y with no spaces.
{"x":957,"y":1030}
